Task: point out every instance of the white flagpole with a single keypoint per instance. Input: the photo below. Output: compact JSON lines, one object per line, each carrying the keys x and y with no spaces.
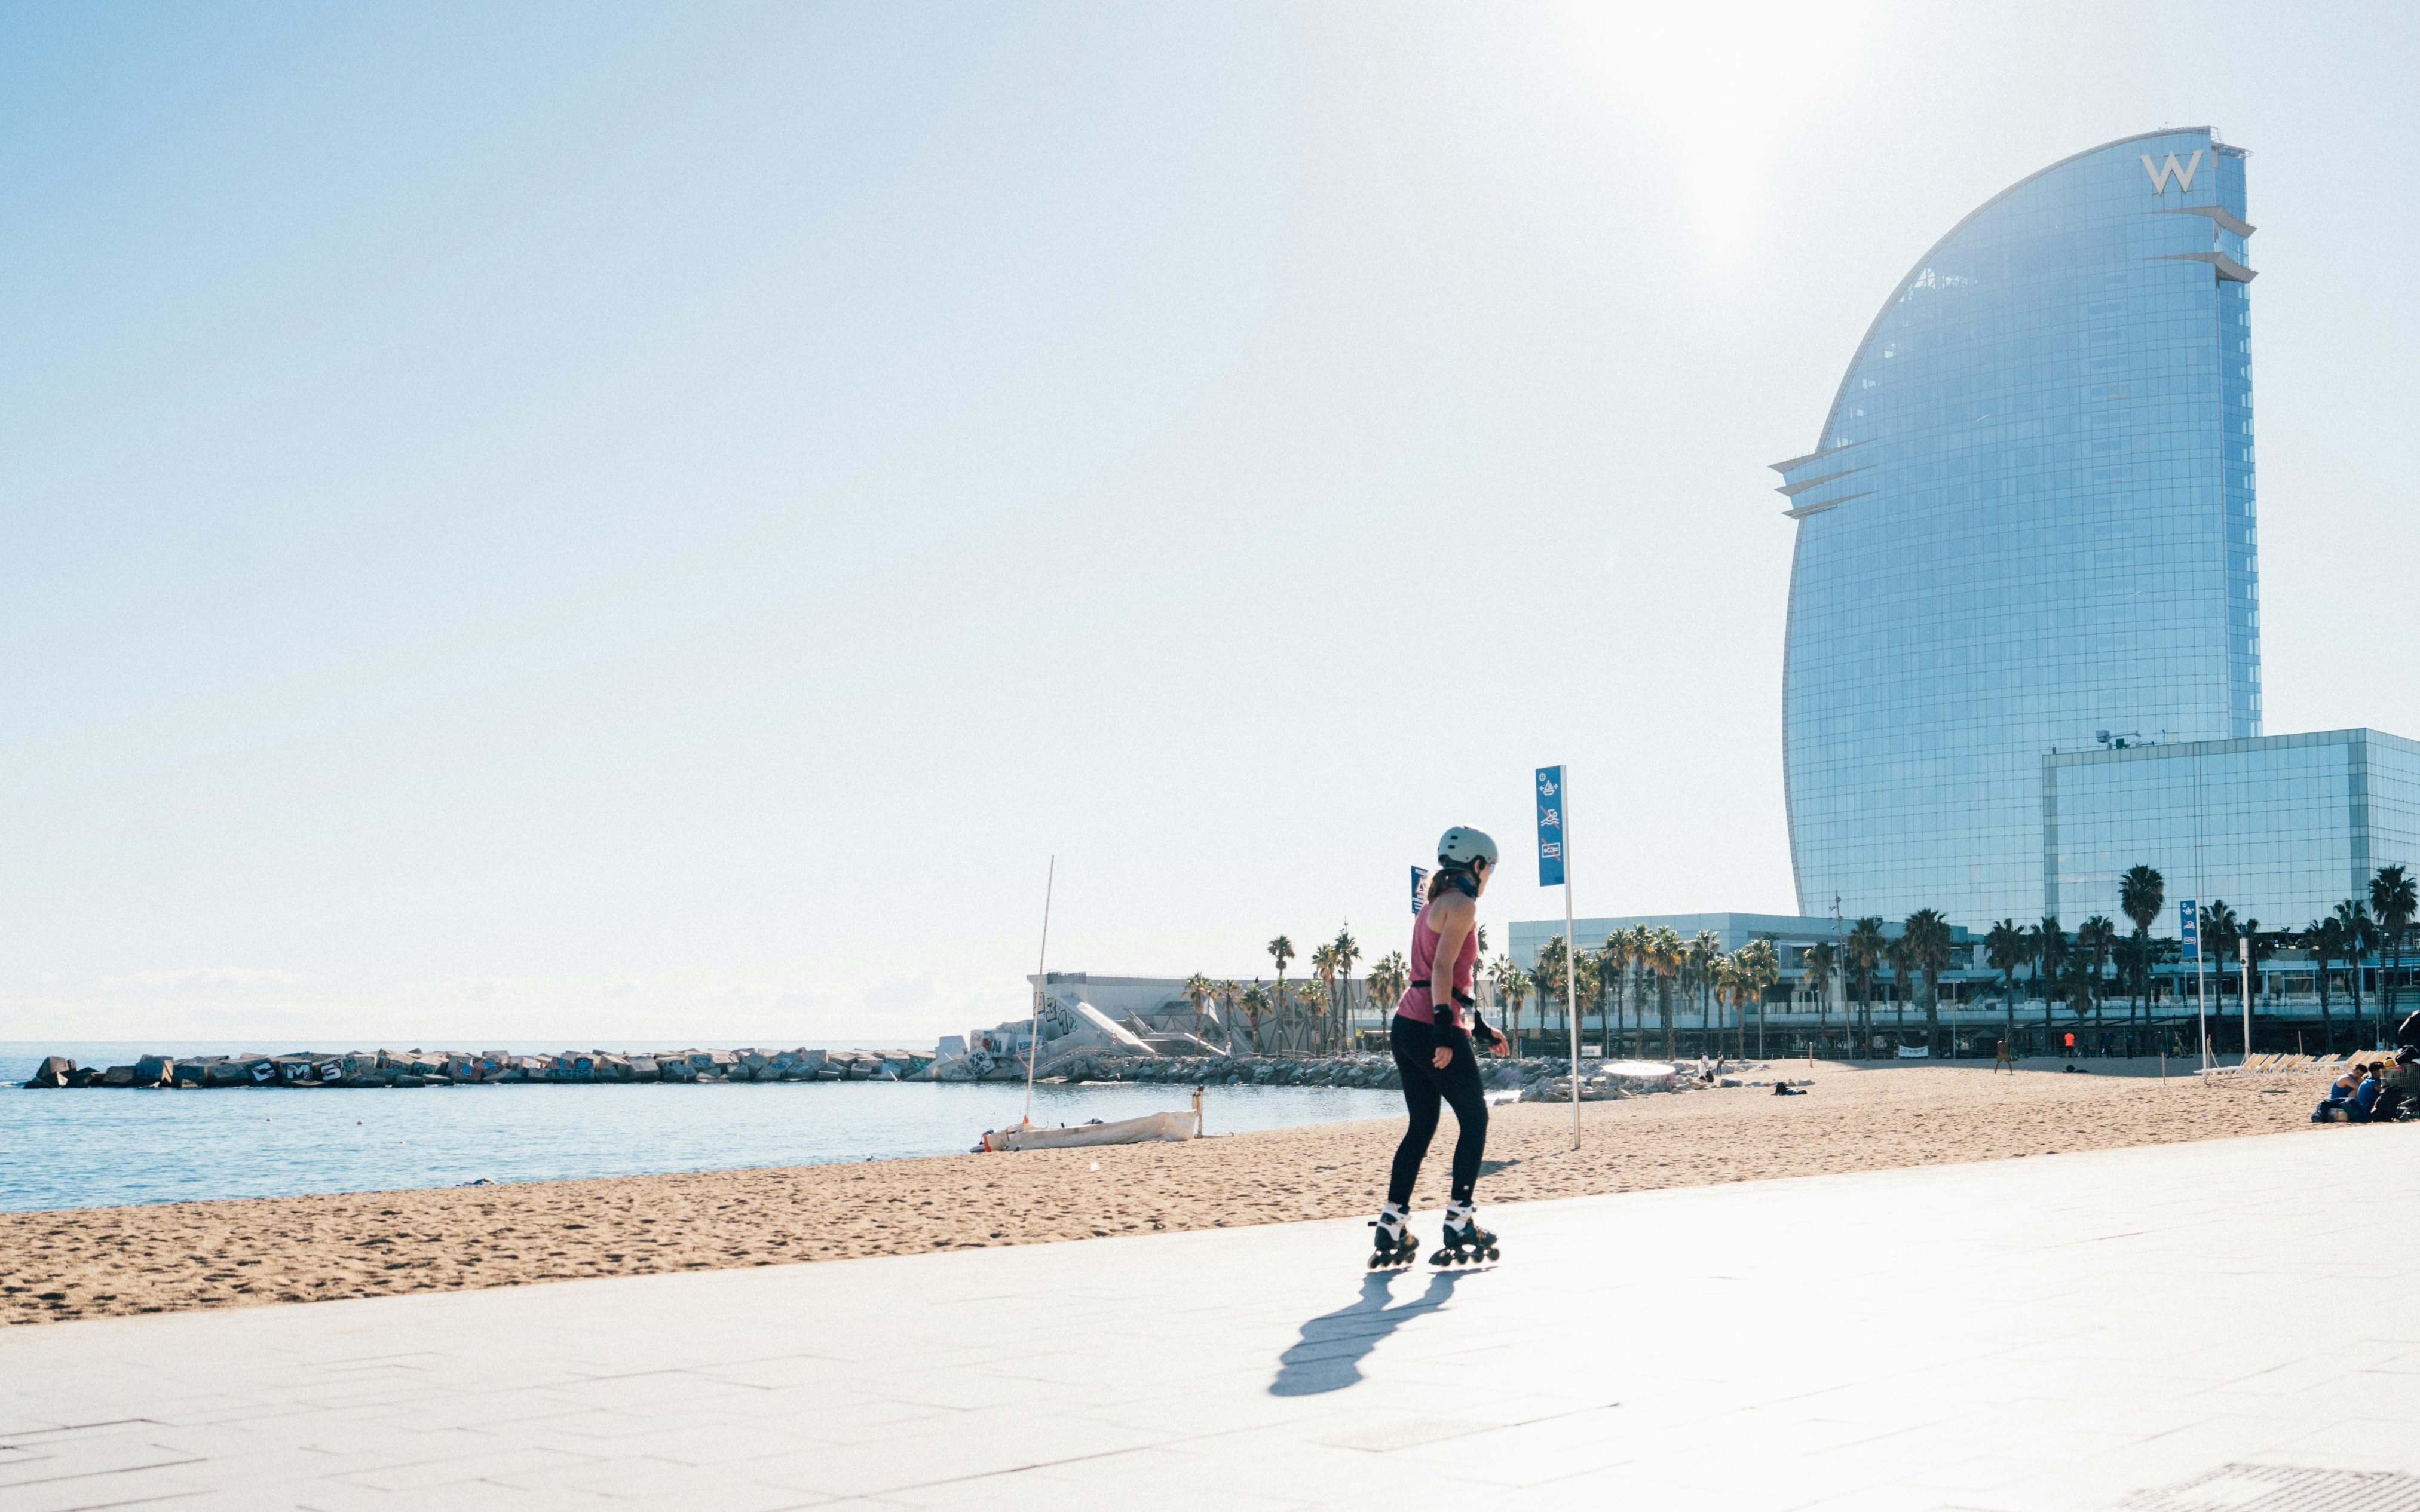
{"x":2244,"y":955}
{"x":1041,"y":975}
{"x":1571,"y":959}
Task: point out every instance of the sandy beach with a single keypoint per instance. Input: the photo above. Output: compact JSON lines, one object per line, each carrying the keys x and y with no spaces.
{"x":104,"y":1261}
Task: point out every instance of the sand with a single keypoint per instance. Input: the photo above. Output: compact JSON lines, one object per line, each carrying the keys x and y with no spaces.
{"x":104,"y":1261}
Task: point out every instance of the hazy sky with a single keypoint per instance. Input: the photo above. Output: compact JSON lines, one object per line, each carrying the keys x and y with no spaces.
{"x":625,"y":521}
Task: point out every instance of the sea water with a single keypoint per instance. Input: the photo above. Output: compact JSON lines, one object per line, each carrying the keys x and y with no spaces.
{"x":104,"y":1146}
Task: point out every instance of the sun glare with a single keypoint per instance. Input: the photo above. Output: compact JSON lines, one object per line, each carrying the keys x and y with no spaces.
{"x":1722,"y":96}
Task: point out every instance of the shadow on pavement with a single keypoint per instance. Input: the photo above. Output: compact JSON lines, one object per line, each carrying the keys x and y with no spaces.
{"x":1329,"y":1355}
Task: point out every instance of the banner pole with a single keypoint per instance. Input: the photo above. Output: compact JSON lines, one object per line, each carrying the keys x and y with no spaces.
{"x":1571,"y":967}
{"x":2201,"y":1004}
{"x":1555,"y":870}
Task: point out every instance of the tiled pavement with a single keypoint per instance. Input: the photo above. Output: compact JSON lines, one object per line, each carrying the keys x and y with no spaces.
{"x":2069,"y":1331}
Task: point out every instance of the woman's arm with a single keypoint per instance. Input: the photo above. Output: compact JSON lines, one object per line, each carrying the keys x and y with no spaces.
{"x":1455,"y":915}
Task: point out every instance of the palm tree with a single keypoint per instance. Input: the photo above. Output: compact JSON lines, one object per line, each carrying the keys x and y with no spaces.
{"x":1902,"y":983}
{"x":1513,"y":990}
{"x":2005,"y":948}
{"x":1641,"y":950}
{"x":2325,"y":939}
{"x":2393,"y":898}
{"x":1704,"y":949}
{"x":2095,"y":937}
{"x":1664,"y":953}
{"x":1229,"y":992}
{"x":1728,"y":973}
{"x":1348,"y":951}
{"x":1323,"y":964}
{"x":2076,"y":986}
{"x":2142,"y":892}
{"x":1198,"y":989}
{"x":1255,"y":1003}
{"x":1280,"y":950}
{"x":1927,"y":935}
{"x":2050,"y":952}
{"x":2220,"y":929}
{"x":1864,"y":950}
{"x":1613,"y":968}
{"x":1822,"y":961}
{"x":1588,"y":982}
{"x":2360,"y":935}
{"x":1389,"y":976}
{"x":1759,"y":968}
{"x":1546,"y":975}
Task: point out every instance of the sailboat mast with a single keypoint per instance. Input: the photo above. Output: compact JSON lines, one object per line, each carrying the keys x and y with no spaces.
{"x":1041,"y":975}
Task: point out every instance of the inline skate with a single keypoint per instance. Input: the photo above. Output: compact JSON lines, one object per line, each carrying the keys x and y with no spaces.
{"x":1395,"y":1244}
{"x":1464,"y":1242}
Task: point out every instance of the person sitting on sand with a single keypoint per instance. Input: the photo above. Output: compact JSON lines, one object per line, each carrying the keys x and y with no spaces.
{"x":2338,"y":1095}
{"x":2389,"y":1106}
{"x":2365,"y":1097}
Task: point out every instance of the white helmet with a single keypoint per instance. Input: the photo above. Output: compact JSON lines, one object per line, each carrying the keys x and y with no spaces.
{"x":1461,"y":846}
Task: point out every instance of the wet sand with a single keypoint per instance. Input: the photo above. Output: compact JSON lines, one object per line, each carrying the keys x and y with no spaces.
{"x":104,"y":1261}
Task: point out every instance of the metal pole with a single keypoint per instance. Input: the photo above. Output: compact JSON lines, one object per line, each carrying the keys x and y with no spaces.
{"x":1571,"y":961}
{"x":2244,"y":955}
{"x":1041,"y":975}
{"x":2201,"y":999}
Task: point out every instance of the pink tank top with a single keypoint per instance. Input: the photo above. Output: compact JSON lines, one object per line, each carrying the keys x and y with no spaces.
{"x":1416,"y":1003}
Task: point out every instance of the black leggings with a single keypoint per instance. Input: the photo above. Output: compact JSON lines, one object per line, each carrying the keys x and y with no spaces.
{"x":1424,"y":1087}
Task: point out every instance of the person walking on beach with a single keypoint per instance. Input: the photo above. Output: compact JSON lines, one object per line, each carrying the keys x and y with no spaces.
{"x":1434,"y":1054}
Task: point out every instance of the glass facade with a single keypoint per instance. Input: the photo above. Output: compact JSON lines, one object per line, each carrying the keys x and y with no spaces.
{"x":2029,"y":519}
{"x":2282,"y":829}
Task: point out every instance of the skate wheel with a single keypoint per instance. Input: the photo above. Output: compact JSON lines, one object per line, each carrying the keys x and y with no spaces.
{"x":1493,"y":1254}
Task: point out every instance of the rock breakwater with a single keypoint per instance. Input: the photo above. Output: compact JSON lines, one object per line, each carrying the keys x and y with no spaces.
{"x":303,"y":1069}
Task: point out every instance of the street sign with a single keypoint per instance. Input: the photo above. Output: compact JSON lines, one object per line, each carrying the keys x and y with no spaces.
{"x":1550,"y":826}
{"x":1420,"y":890}
{"x":2188,"y":921}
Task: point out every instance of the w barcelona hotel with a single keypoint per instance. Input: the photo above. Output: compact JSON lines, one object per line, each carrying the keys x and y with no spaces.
{"x":2023,"y":646}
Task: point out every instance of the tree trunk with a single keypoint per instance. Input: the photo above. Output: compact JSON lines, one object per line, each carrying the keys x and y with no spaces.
{"x":2386,"y":983}
{"x":2355,"y":974}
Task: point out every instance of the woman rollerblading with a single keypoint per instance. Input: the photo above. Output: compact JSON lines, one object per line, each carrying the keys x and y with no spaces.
{"x":1434,"y":1052}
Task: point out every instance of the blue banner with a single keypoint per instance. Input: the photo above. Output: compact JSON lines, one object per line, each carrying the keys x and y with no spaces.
{"x":1550,"y":826}
{"x":1419,"y":889}
{"x":2189,"y":920}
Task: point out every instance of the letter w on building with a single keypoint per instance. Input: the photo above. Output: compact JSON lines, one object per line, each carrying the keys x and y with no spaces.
{"x":2160,"y":173}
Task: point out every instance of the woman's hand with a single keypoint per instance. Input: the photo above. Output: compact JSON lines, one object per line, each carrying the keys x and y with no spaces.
{"x":1444,"y":1056}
